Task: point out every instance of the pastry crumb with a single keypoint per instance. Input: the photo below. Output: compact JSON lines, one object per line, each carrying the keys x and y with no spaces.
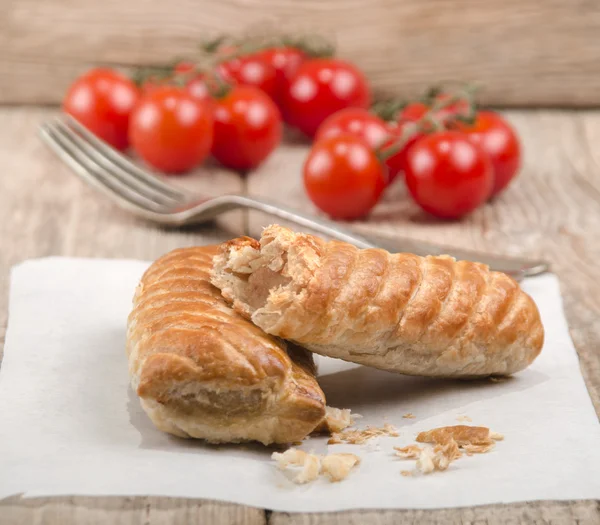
{"x":449,"y":445}
{"x":477,"y":449}
{"x":464,"y":419}
{"x":335,"y":420}
{"x":406,"y":473}
{"x":425,"y":462}
{"x":439,"y":458}
{"x":310,"y":463}
{"x":292,"y":456}
{"x":408,"y":452}
{"x":449,"y":449}
{"x":498,"y":379}
{"x":337,"y":466}
{"x":409,"y":415}
{"x":462,"y":434}
{"x":310,"y":472}
{"x":445,"y":454}
{"x":358,"y":437}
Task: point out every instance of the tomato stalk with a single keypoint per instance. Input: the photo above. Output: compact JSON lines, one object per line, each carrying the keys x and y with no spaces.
{"x":389,"y":109}
{"x":431,"y":121}
{"x":312,"y":45}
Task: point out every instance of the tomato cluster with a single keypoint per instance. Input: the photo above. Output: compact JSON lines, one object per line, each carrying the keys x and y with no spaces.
{"x":451,"y":156}
{"x":233,"y":110}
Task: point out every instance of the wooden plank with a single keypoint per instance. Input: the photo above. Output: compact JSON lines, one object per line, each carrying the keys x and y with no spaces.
{"x":125,"y":511}
{"x":523,"y":52}
{"x":543,"y":512}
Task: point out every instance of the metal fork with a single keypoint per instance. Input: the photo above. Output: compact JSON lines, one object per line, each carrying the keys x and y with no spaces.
{"x":147,"y":196}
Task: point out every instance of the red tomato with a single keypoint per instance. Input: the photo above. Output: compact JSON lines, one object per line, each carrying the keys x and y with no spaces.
{"x":198,"y":88}
{"x":250,"y":70}
{"x":501,"y":143}
{"x":320,"y":88}
{"x":285,"y":61}
{"x":448,"y":175}
{"x":151,"y":85}
{"x":102,"y":101}
{"x":248,"y":128}
{"x":343,"y":177}
{"x":396,"y":163}
{"x":358,"y":122}
{"x":171,"y":130}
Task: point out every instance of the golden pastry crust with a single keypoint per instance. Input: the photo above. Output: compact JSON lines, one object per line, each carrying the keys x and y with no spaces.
{"x":203,"y":371}
{"x":431,"y":316}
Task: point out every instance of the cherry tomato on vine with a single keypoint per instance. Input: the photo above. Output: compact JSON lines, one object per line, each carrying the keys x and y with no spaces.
{"x":285,"y":61}
{"x":250,"y":70}
{"x":198,"y":88}
{"x":320,"y":88}
{"x":495,"y":135}
{"x":171,"y":130}
{"x":343,"y":177}
{"x":396,"y":163}
{"x":102,"y":100}
{"x":358,"y":122}
{"x":195,"y":82}
{"x":448,"y":175}
{"x":248,"y":128}
{"x":195,"y":86}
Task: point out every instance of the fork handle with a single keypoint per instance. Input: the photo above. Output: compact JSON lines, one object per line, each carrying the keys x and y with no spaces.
{"x":516,"y":267}
{"x":317,"y":224}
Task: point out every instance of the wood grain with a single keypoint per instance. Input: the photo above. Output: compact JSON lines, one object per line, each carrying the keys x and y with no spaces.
{"x":522,"y":52}
{"x":125,"y":511}
{"x":552,"y":211}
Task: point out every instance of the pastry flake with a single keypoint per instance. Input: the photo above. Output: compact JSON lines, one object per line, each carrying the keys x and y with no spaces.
{"x":408,"y":452}
{"x":438,"y":458}
{"x":425,"y":462}
{"x":477,"y":449}
{"x":462,"y":434}
{"x":310,"y":463}
{"x":337,"y":466}
{"x":358,"y":437}
{"x":335,"y":420}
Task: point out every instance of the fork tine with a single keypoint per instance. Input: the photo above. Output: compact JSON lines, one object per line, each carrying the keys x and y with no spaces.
{"x":124,"y":177}
{"x":96,"y":176}
{"x":124,"y":163}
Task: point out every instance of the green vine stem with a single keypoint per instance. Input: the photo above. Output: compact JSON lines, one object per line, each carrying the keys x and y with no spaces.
{"x":432,"y":121}
{"x":313,"y":45}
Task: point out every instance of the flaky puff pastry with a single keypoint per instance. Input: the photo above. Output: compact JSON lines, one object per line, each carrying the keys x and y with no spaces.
{"x":430,"y":316}
{"x":203,"y":371}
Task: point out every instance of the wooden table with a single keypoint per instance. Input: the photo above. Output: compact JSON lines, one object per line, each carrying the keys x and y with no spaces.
{"x":552,"y":211}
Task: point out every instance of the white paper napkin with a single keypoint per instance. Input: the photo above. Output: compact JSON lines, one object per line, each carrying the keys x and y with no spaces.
{"x":69,"y":423}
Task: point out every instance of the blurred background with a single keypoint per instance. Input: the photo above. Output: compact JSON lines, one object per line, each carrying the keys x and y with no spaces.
{"x":523,"y":52}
